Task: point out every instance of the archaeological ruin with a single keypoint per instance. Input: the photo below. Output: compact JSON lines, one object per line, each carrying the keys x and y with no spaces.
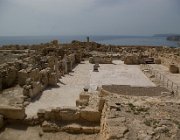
{"x":86,"y":90}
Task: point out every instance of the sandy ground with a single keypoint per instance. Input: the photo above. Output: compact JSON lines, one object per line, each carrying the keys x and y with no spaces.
{"x":165,"y":71}
{"x":72,"y":84}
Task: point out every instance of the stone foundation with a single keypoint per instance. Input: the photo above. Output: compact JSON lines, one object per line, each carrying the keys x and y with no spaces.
{"x":14,"y":113}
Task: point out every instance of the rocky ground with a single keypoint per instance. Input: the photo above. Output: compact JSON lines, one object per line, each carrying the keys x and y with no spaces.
{"x":141,"y":118}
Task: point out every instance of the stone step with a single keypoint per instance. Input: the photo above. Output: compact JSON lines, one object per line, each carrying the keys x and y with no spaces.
{"x":71,"y":127}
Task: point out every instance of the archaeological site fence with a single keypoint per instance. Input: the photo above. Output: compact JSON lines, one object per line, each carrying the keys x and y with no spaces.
{"x":164,"y":81}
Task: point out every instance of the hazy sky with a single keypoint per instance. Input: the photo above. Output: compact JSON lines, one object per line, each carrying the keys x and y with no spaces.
{"x":89,"y":17}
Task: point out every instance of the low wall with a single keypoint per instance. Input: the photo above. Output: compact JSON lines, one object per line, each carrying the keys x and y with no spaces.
{"x":100,"y":60}
{"x":134,"y":91}
{"x":70,"y":114}
{"x":14,"y":113}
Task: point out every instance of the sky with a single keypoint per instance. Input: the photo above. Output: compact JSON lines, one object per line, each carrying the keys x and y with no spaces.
{"x":89,"y":17}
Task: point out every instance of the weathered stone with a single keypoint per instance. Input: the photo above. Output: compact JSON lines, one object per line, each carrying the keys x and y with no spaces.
{"x":131,"y":60}
{"x":90,"y":115}
{"x":157,"y":61}
{"x":36,"y":89}
{"x":73,"y":128}
{"x":81,"y":103}
{"x":1,"y":121}
{"x":34,"y":74}
{"x":104,"y":93}
{"x":116,"y":132}
{"x":69,"y":114}
{"x":12,"y":112}
{"x":84,"y":96}
{"x":173,"y":68}
{"x":11,"y":76}
{"x":53,"y":79}
{"x":41,"y":113}
{"x":101,"y":104}
{"x":49,"y":127}
{"x":100,"y":59}
{"x":44,"y":77}
{"x":87,"y":130}
{"x":22,"y":76}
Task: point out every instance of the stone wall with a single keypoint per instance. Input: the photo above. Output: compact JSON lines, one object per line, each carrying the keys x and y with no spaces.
{"x":70,"y":114}
{"x":14,"y":113}
{"x":100,"y":60}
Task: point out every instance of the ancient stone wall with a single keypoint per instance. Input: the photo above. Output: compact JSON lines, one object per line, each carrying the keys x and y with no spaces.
{"x":70,"y":114}
{"x":100,"y":59}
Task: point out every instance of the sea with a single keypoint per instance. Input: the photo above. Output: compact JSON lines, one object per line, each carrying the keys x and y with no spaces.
{"x":107,"y":40}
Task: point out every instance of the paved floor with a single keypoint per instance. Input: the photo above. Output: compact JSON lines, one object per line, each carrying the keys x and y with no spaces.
{"x":119,"y":74}
{"x":72,"y":84}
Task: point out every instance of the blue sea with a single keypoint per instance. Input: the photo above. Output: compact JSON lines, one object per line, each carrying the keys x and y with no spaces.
{"x":108,"y":40}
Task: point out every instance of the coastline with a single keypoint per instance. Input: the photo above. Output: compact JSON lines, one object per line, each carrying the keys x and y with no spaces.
{"x":107,"y":40}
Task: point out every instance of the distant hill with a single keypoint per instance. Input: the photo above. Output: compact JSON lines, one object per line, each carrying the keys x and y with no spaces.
{"x":174,"y":38}
{"x":170,"y":37}
{"x":165,"y":35}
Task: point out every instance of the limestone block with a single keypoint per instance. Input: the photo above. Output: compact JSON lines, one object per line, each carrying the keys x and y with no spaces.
{"x":91,"y":60}
{"x":157,"y":61}
{"x":78,"y":57}
{"x":90,"y":115}
{"x":52,"y":79}
{"x":12,"y":112}
{"x":88,"y":130}
{"x":81,"y":103}
{"x":41,"y":113}
{"x":36,"y":89}
{"x":26,"y":90}
{"x":22,"y":76}
{"x":1,"y":121}
{"x":101,"y":104}
{"x":11,"y":76}
{"x":69,"y":66}
{"x":64,"y":64}
{"x":104,"y":93}
{"x":72,"y":128}
{"x":17,"y":65}
{"x":69,"y":114}
{"x":131,"y":60}
{"x":173,"y":68}
{"x":51,"y":61}
{"x":34,"y":74}
{"x":43,"y":75}
{"x":49,"y":127}
{"x":84,"y":96}
{"x":95,"y":68}
{"x":116,"y":132}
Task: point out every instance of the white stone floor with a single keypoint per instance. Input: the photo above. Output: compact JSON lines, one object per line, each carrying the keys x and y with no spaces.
{"x":72,"y":84}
